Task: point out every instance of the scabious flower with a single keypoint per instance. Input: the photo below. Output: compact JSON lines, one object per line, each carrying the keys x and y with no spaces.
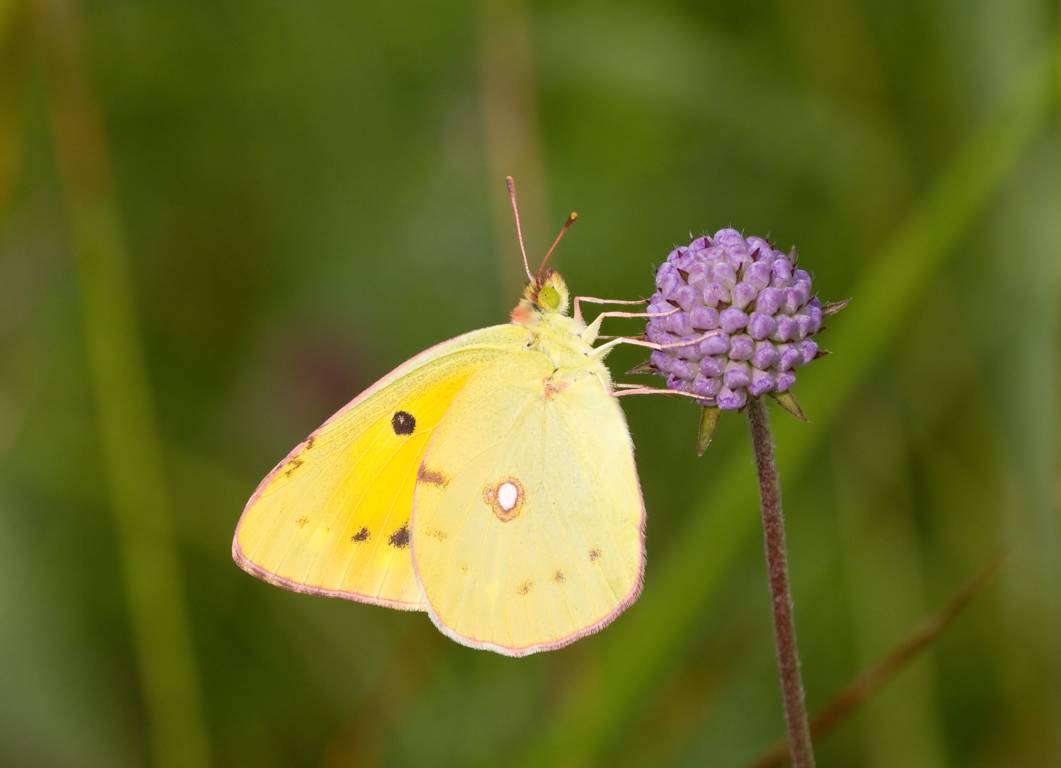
{"x":731,"y":320}
{"x":748,"y":313}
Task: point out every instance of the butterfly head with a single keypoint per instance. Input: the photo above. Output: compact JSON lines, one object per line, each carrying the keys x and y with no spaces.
{"x":542,"y":296}
{"x":546,"y":294}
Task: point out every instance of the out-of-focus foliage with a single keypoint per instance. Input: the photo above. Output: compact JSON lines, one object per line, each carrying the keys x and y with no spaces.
{"x":219,"y":221}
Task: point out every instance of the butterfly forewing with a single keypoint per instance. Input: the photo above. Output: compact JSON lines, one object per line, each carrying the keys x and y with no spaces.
{"x":333,"y":517}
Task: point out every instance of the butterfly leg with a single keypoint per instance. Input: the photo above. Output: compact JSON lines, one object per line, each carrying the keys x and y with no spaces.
{"x":604,"y":349}
{"x":636,"y":390}
{"x":595,"y":300}
{"x":592,"y":332}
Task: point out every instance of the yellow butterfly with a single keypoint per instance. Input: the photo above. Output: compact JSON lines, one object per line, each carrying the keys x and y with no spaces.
{"x":489,"y":481}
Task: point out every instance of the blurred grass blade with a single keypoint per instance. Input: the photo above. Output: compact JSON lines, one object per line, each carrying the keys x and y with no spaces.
{"x":1025,"y":413}
{"x":13,"y":61}
{"x":131,"y":451}
{"x":638,"y":650}
{"x":871,"y":680}
{"x":507,"y":94}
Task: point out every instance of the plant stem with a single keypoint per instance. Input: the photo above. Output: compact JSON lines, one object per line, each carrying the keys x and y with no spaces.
{"x":781,"y":599}
{"x":871,"y":680}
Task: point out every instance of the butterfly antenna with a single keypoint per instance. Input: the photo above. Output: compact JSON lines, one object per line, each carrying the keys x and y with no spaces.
{"x":511,"y":185}
{"x":571,"y":219}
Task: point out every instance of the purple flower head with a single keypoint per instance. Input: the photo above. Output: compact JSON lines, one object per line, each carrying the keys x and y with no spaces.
{"x":747,"y":310}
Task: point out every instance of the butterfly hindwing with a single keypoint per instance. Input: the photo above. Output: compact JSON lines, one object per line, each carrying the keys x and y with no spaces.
{"x":527,"y":526}
{"x":333,"y":517}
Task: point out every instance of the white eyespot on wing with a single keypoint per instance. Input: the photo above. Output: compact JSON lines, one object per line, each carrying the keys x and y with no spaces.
{"x":507,"y":495}
{"x":505,"y":498}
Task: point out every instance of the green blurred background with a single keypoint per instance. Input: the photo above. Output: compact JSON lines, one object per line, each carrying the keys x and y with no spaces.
{"x":221,"y":220}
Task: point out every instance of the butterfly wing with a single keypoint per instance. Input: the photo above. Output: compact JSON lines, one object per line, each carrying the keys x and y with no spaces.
{"x":527,"y":528}
{"x":332,"y":517}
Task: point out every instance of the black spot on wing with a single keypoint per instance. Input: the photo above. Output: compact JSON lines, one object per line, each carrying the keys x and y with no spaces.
{"x":361,"y":535}
{"x":403,"y":423}
{"x":400,"y":538}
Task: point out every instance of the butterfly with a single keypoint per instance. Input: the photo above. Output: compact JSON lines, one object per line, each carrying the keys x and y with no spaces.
{"x":489,"y":481}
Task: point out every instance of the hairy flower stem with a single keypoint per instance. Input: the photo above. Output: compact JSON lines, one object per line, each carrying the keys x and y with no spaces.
{"x":802,"y":750}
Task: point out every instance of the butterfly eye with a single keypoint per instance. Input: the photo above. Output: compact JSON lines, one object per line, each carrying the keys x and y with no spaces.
{"x":549,"y":298}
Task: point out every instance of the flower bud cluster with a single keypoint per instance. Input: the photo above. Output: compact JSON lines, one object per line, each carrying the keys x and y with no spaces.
{"x":746,"y":311}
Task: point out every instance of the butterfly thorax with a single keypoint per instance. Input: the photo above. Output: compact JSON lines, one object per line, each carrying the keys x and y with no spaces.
{"x":543,"y":310}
